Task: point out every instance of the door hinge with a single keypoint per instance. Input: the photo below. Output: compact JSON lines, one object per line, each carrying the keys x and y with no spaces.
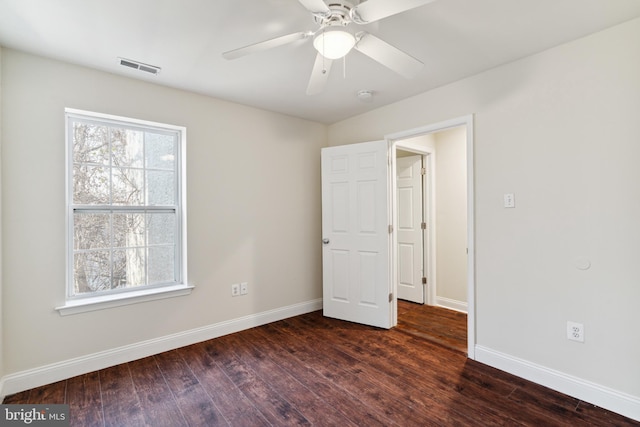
{"x":423,"y":171}
{"x":424,"y":280}
{"x":390,"y":297}
{"x":423,"y":225}
{"x":390,"y":229}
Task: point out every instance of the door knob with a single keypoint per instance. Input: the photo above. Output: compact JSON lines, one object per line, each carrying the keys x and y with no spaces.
{"x":325,"y":241}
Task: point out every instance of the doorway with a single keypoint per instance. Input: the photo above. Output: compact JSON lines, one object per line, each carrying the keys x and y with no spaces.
{"x":446,"y":231}
{"x":359,"y":228}
{"x":411,"y":226}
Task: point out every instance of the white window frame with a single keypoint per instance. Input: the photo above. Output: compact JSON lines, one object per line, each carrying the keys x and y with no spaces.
{"x":83,"y":303}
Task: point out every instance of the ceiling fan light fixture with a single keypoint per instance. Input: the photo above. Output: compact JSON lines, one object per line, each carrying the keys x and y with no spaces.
{"x":334,"y":43}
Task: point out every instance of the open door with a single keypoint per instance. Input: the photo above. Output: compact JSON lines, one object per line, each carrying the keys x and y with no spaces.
{"x":356,"y":235}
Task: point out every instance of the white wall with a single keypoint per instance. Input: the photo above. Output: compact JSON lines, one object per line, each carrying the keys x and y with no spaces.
{"x":253,"y":200}
{"x":558,"y":129}
{"x":451,"y":217}
{"x":420,"y":143}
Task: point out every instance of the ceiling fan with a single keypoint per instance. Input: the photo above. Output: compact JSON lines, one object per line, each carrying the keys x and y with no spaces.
{"x":332,"y":40}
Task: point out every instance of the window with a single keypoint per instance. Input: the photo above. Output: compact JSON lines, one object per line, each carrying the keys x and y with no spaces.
{"x":125,"y":193}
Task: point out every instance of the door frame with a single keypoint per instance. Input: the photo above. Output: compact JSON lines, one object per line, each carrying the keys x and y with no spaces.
{"x":395,"y":141}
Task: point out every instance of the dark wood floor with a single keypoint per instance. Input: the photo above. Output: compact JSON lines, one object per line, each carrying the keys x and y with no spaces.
{"x":310,"y":370}
{"x":440,"y":325}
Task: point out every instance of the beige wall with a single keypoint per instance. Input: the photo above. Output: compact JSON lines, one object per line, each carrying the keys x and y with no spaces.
{"x":253,"y":210}
{"x":451,"y":215}
{"x":558,"y":129}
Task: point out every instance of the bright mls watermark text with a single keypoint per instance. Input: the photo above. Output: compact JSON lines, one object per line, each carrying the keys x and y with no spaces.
{"x":34,"y":415}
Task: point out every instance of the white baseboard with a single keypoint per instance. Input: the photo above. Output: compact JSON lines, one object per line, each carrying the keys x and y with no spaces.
{"x":451,"y":304}
{"x":593,"y":393}
{"x":14,"y":383}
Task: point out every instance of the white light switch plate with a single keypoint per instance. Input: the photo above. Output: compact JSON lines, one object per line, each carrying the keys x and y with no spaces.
{"x":509,"y":200}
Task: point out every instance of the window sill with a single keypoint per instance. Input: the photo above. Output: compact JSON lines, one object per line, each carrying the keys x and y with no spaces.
{"x":100,"y":303}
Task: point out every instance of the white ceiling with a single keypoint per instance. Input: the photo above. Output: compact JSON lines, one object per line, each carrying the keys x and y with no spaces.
{"x":454,"y":38}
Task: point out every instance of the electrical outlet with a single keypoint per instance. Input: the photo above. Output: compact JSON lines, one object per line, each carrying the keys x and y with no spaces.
{"x":575,"y":331}
{"x":235,"y":290}
{"x":244,"y":288}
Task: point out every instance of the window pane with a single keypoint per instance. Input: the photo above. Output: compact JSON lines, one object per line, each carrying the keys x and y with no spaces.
{"x":122,"y":171}
{"x":90,"y":185}
{"x":161,"y":264}
{"x":161,"y":188}
{"x":160,"y":151}
{"x":128,"y":230}
{"x":161,"y":228}
{"x":128,"y":268}
{"x":127,"y":187}
{"x":127,"y":148}
{"x":91,"y":231}
{"x":90,"y":143}
{"x":92,"y":271}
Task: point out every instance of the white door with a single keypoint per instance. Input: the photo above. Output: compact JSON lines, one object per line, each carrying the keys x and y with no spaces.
{"x":410,"y":233}
{"x":355,"y":233}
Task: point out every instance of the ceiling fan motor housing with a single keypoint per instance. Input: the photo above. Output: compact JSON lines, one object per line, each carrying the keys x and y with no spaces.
{"x":339,"y":14}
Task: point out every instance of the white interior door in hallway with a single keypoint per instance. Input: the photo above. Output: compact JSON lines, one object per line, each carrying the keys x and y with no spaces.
{"x":410,"y":232}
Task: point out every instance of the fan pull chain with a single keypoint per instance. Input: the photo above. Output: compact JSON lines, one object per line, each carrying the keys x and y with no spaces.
{"x":324,"y":58}
{"x":344,"y":67}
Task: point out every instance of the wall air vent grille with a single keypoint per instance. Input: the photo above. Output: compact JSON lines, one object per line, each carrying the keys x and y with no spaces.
{"x":139,"y":66}
{"x":148,"y":69}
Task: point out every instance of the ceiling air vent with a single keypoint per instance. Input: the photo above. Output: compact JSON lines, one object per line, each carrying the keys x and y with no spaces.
{"x":139,"y":66}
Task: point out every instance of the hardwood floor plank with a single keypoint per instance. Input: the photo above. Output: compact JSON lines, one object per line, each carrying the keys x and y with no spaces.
{"x":318,"y":358}
{"x":235,"y":407}
{"x":437,"y":324}
{"x":85,"y":400}
{"x":158,"y":404}
{"x":51,"y":393}
{"x":17,"y":398}
{"x":304,"y":400}
{"x":273,"y":407}
{"x":365,"y":384}
{"x":342,"y":402}
{"x":194,"y":403}
{"x":469,"y":392}
{"x":120,"y":403}
{"x":601,"y":417}
{"x":495,"y":384}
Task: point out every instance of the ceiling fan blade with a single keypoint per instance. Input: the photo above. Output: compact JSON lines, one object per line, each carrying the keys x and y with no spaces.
{"x":387,"y":55}
{"x":319,"y":75}
{"x":373,"y":10}
{"x":267,"y":44}
{"x":316,"y":6}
